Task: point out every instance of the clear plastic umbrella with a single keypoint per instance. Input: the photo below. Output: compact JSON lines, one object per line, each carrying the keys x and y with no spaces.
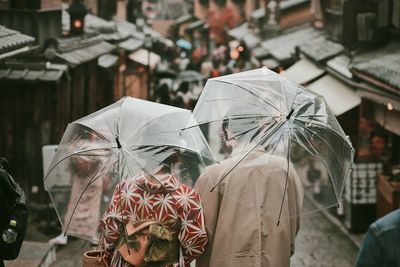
{"x":119,"y":142}
{"x":257,"y":117}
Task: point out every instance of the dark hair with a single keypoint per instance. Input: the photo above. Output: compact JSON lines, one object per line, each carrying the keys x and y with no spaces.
{"x":184,"y":87}
{"x":379,"y":133}
{"x":163,"y":94}
{"x":173,"y":158}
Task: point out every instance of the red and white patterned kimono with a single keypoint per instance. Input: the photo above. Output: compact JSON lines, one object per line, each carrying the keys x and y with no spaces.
{"x":171,"y":203}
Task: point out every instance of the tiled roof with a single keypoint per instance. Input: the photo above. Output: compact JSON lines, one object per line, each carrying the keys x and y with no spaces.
{"x":243,"y":33}
{"x":86,"y":52}
{"x":38,"y":73}
{"x":320,"y":49}
{"x":11,"y":40}
{"x":239,"y":31}
{"x":340,"y":64}
{"x":282,"y":48}
{"x":251,"y":40}
{"x":131,"y":44}
{"x":133,"y":31}
{"x":385,"y":69}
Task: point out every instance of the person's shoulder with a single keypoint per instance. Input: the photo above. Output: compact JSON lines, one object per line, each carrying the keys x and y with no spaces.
{"x":271,"y":161}
{"x":389,"y":222}
{"x":218,"y":166}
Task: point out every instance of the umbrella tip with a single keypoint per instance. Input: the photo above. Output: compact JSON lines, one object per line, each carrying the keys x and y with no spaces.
{"x":290,"y":114}
{"x":118,"y":143}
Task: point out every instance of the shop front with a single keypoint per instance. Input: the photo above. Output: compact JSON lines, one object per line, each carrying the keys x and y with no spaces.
{"x":381,"y":142}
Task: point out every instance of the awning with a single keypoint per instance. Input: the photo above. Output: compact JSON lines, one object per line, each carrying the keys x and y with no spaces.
{"x":131,"y":44}
{"x":339,"y":96}
{"x":388,"y":119}
{"x":386,"y":109}
{"x":141,"y":56}
{"x":302,"y":72}
{"x":107,"y":61}
{"x":381,"y":98}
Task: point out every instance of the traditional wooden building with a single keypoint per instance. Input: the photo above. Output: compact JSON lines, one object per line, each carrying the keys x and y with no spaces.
{"x":353,"y":63}
{"x":44,"y":89}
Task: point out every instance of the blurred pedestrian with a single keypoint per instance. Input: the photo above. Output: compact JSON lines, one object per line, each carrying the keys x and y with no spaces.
{"x":215,"y":72}
{"x":241,"y":214}
{"x":381,"y":245}
{"x":167,"y":214}
{"x":206,"y":67}
{"x":82,"y":218}
{"x":163,"y":95}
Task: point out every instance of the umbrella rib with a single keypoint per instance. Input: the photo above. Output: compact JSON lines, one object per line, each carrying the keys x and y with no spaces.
{"x":120,"y":197}
{"x":103,"y":137}
{"x":291,"y":110}
{"x":311,"y":116}
{"x":143,"y":126}
{"x":247,"y":153}
{"x":325,"y":128}
{"x":143,"y":168}
{"x":236,"y":100}
{"x":286,"y":180}
{"x":120,"y":119}
{"x":257,"y":97}
{"x":74,"y":154}
{"x":245,"y":132}
{"x":91,"y":181}
{"x":219,"y":119}
{"x":178,"y":147}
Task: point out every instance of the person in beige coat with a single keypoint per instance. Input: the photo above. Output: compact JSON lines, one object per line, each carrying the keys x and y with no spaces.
{"x":242,"y":213}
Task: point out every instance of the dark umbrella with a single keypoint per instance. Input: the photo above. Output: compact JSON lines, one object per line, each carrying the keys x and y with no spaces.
{"x":189,"y":76}
{"x":165,"y":74}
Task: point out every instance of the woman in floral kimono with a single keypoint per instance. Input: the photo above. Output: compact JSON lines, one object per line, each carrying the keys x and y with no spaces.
{"x":161,"y":198}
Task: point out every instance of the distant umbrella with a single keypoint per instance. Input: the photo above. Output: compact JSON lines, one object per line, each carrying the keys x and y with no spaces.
{"x":189,"y":76}
{"x":165,"y":74}
{"x":184,"y":44}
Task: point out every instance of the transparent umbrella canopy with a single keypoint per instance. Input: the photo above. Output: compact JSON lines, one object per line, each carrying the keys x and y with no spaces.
{"x":254,"y":117}
{"x":121,"y":141}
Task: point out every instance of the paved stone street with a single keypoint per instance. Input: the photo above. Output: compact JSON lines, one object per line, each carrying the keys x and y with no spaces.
{"x":320,"y":243}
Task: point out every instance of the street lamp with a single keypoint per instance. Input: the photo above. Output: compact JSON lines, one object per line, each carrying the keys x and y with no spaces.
{"x":148,"y":43}
{"x":77,"y":12}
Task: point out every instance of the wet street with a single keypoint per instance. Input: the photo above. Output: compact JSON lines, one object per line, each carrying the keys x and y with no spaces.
{"x":321,"y":243}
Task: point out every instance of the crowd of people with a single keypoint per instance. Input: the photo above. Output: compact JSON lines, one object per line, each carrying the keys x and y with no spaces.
{"x":221,"y":60}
